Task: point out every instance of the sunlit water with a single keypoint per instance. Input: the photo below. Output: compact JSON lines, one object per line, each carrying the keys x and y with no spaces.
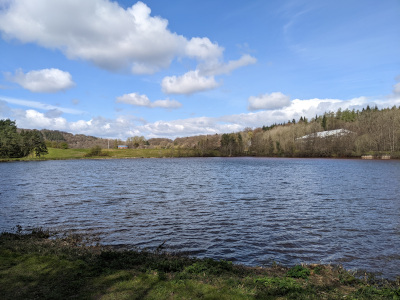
{"x":248,"y":210}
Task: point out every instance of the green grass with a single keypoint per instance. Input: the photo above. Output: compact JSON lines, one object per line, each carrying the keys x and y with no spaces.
{"x":40,"y":266}
{"x":299,"y":272}
{"x":55,"y":153}
{"x":62,"y":154}
{"x":150,"y":153}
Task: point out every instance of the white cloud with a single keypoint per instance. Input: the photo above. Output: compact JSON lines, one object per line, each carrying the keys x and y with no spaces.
{"x":143,"y":100}
{"x":188,"y":127}
{"x":202,"y":79}
{"x":134,"y":99}
{"x":202,"y":48}
{"x":189,"y":83}
{"x":98,"y":126}
{"x":113,"y":38}
{"x":32,"y":119}
{"x":268,"y":101}
{"x":102,"y":32}
{"x":43,"y":81}
{"x":166,"y":103}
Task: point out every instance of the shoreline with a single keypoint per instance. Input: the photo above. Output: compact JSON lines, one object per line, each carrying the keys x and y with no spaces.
{"x":71,"y":154}
{"x":39,"y":265}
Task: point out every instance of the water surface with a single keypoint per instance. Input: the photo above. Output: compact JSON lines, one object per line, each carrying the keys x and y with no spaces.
{"x":249,"y":210}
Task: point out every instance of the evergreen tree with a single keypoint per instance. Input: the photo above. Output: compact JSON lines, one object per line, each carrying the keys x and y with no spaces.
{"x":39,"y":146}
{"x":323,"y":122}
{"x":10,"y":140}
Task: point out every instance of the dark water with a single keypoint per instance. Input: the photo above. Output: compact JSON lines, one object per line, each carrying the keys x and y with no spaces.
{"x":249,"y":210}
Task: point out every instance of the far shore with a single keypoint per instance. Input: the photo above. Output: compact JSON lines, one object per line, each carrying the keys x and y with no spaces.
{"x":67,"y":154}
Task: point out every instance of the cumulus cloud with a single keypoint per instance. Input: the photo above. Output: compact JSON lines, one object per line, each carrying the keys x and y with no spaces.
{"x":268,"y":101}
{"x":102,"y":32}
{"x":120,"y":127}
{"x":43,"y":81}
{"x":143,"y":100}
{"x":299,"y":108}
{"x":202,"y":79}
{"x":134,"y":99}
{"x":203,"y":49}
{"x":189,"y":83}
{"x":188,"y":127}
{"x":113,"y":38}
{"x":32,"y":119}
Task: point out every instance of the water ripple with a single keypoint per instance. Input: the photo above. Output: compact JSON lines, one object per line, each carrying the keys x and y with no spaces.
{"x":248,"y":210}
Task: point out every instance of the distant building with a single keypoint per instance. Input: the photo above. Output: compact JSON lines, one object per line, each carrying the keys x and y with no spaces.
{"x":122,"y":147}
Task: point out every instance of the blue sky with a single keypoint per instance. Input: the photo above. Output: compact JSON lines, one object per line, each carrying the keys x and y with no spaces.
{"x":183,"y":67}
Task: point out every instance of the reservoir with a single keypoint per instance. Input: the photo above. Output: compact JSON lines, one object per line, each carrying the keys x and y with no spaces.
{"x":253,"y":211}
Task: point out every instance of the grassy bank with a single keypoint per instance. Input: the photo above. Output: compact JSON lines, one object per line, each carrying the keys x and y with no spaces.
{"x":121,"y":153}
{"x":37,"y":266}
{"x":62,"y":154}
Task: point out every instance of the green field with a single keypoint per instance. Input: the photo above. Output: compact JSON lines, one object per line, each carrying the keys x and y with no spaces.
{"x":39,"y":266}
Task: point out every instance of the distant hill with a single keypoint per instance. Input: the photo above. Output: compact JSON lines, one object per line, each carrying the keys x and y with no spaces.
{"x":56,"y":138}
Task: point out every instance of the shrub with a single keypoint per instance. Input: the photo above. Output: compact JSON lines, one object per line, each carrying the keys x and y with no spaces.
{"x":210,"y":266}
{"x":96,"y":151}
{"x":298,"y":272}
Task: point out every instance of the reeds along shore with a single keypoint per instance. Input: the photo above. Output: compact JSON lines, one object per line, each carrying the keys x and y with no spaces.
{"x":40,"y":265}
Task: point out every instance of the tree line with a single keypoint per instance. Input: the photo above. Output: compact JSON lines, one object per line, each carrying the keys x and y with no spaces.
{"x":344,"y":133}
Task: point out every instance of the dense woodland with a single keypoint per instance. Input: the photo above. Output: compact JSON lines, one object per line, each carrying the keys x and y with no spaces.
{"x":347,"y":133}
{"x":16,"y":143}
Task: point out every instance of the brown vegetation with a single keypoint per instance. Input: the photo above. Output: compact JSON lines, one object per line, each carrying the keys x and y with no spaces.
{"x":370,"y":131}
